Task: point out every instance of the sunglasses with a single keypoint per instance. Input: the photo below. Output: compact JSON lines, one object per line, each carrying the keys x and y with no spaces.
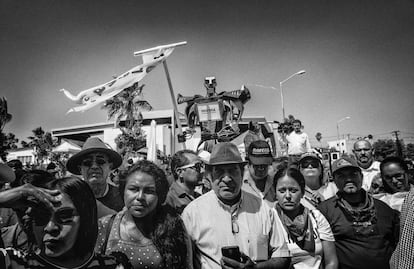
{"x":60,"y":216}
{"x":312,"y":162}
{"x":89,"y":162}
{"x":195,"y":166}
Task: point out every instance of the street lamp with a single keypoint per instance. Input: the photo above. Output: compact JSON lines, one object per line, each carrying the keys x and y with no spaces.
{"x":301,"y":72}
{"x":337,"y":125}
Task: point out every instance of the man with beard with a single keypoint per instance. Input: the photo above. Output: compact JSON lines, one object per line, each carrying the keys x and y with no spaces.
{"x":365,"y":229}
{"x":364,"y":154}
{"x":257,"y":179}
{"x":95,"y":162}
{"x":186,"y":168}
{"x":230,"y":228}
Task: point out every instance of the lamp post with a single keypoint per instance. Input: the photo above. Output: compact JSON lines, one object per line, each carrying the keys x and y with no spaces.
{"x":337,"y":125}
{"x":301,"y":72}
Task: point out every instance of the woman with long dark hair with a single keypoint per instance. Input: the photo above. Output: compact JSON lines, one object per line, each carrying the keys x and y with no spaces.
{"x":310,"y":238}
{"x":63,"y":228}
{"x":151,"y":234}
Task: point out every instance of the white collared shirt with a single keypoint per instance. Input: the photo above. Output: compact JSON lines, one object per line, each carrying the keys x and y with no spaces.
{"x":209,"y":224}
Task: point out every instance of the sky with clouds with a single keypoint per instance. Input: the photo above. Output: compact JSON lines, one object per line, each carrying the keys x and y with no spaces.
{"x":358,"y":57}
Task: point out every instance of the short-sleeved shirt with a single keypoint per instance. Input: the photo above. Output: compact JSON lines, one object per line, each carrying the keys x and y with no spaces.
{"x":211,"y":226}
{"x":177,"y":197}
{"x":369,"y":247}
{"x":269,"y":193}
{"x":369,"y":174}
{"x":321,"y":232}
{"x":298,"y":143}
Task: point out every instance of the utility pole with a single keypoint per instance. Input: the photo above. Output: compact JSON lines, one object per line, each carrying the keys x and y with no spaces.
{"x":398,"y":143}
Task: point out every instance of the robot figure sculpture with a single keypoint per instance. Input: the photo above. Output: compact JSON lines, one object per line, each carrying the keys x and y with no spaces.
{"x":217,"y":114}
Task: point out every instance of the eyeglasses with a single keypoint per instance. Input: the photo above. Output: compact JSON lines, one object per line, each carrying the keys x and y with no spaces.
{"x":89,"y":162}
{"x":305,"y":163}
{"x":195,"y":166}
{"x":234,"y":225}
{"x":61,"y":216}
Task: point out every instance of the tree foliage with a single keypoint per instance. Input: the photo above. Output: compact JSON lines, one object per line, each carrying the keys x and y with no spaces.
{"x":42,"y":143}
{"x":127,"y":106}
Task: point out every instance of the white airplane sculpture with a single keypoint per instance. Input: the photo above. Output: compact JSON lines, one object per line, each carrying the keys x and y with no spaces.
{"x":93,"y":96}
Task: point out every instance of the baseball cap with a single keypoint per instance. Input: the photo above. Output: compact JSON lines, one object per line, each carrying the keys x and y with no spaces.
{"x":259,"y":153}
{"x":344,"y":162}
{"x":309,"y":155}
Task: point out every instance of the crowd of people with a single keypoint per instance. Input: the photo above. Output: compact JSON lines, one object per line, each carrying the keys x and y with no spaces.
{"x":218,"y":210}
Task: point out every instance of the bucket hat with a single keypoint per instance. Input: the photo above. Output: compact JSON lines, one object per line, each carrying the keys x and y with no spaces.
{"x":93,"y":145}
{"x":225,"y":153}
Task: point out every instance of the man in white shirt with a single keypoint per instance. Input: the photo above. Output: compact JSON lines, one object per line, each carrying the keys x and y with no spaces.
{"x":297,"y":142}
{"x":370,"y":168}
{"x":227,"y":216}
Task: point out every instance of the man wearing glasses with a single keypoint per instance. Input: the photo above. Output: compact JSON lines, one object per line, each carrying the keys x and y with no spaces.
{"x":257,"y":179}
{"x":186,"y":168}
{"x":365,"y":229}
{"x":95,"y":162}
{"x":231,"y":228}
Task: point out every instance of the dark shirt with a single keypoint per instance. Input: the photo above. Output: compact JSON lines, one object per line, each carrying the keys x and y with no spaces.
{"x":16,"y":259}
{"x":177,"y":198}
{"x":369,"y":247}
{"x":112,"y":199}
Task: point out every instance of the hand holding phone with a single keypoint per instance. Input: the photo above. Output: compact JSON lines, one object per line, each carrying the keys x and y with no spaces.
{"x":231,"y":252}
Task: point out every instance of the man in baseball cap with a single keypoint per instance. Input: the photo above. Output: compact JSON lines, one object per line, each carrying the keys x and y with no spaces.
{"x":95,"y":162}
{"x":364,"y":227}
{"x":256,"y":178}
{"x":228,"y":216}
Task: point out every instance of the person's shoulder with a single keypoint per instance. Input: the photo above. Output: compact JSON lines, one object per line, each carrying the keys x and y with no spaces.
{"x":203,"y":200}
{"x":327,"y":204}
{"x":381,"y":205}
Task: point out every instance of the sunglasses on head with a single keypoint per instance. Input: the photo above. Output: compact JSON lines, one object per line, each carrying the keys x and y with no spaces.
{"x":89,"y":162}
{"x":305,"y":163}
{"x":61,"y":216}
{"x":195,"y":166}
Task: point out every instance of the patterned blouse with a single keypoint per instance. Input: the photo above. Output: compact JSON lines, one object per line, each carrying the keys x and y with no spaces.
{"x":140,"y":255}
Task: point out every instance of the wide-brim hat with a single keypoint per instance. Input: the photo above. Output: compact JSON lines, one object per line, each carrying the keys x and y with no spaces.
{"x":225,"y":153}
{"x":7,"y":174}
{"x":93,"y":145}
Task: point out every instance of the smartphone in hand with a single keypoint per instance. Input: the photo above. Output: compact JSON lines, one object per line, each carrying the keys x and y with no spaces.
{"x":232,"y":252}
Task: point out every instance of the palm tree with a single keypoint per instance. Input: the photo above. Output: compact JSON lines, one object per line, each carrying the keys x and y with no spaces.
{"x":127,"y":106}
{"x":5,"y":117}
{"x":42,"y":142}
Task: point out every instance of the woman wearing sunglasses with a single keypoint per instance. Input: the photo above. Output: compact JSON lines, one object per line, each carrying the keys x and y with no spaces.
{"x":316,"y":188}
{"x":309,"y":235}
{"x":63,"y":228}
{"x":150,"y":233}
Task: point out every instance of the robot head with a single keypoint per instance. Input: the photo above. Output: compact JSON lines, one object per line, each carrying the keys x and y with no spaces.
{"x":210,"y":84}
